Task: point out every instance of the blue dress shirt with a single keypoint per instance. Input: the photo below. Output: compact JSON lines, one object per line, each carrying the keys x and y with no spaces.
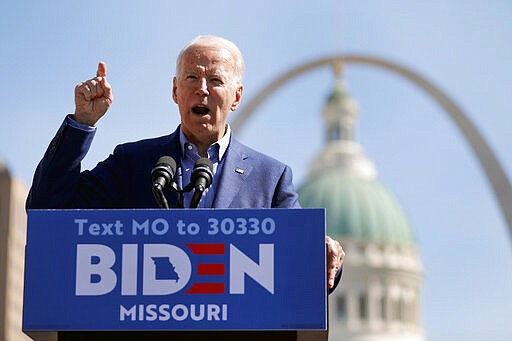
{"x":190,"y":155}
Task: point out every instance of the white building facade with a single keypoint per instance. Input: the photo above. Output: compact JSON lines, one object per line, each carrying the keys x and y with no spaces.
{"x":379,"y":298}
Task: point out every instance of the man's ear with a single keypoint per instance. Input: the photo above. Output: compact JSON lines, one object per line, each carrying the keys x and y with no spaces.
{"x":174,"y":88}
{"x":238,"y":97}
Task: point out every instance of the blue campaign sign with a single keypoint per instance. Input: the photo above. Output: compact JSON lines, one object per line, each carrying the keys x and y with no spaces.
{"x":222,"y":269}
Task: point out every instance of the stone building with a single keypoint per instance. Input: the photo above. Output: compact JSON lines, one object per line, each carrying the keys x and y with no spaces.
{"x":12,"y":254}
{"x":380,"y":295}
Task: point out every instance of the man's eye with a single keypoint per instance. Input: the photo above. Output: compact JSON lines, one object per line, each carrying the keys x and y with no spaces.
{"x":191,"y":77}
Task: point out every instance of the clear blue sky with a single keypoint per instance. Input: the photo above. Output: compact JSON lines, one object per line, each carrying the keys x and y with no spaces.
{"x":462,"y":46}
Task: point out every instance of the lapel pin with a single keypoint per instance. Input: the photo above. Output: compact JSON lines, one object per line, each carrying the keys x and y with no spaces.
{"x":239,"y":170}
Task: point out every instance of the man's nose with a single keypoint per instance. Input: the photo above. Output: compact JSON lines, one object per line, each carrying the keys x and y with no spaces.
{"x":202,"y":87}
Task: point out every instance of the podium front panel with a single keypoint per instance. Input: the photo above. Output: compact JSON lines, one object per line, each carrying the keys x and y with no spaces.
{"x":205,"y":269}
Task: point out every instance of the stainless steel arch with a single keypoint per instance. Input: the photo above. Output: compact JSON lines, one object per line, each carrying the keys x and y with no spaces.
{"x":488,"y":161}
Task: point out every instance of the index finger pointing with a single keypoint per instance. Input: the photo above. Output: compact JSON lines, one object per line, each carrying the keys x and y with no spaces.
{"x":102,"y":70}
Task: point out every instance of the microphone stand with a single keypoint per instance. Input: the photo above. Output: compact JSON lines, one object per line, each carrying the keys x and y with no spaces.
{"x":196,"y":197}
{"x":159,"y":196}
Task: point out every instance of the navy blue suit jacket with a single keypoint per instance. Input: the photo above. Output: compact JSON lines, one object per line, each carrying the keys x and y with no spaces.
{"x":249,"y":179}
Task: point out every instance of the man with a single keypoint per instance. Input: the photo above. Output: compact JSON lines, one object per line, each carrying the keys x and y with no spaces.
{"x":206,"y":88}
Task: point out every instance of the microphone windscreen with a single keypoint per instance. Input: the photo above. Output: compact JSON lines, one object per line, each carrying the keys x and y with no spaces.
{"x":165,"y":167}
{"x":167,"y":161}
{"x":204,"y":162}
{"x":202,"y":172}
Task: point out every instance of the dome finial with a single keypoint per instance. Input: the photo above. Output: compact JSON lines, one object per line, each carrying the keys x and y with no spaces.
{"x":342,"y":152}
{"x":337,"y":67}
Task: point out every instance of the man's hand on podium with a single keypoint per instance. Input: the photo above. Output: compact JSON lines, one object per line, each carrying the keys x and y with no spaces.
{"x":335,"y":256}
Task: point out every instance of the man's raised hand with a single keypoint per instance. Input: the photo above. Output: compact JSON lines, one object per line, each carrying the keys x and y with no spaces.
{"x":93,"y":97}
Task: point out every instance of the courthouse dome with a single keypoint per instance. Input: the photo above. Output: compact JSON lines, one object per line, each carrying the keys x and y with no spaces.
{"x":356,"y":207}
{"x":344,"y":181}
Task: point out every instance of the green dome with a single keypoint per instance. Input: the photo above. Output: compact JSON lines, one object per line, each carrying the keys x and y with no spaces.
{"x":356,"y":207}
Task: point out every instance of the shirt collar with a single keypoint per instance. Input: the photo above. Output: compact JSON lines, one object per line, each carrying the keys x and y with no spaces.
{"x":223,"y":143}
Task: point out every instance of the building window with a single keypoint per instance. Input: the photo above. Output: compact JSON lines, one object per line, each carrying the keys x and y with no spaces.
{"x":397,"y":310}
{"x":363,"y":307}
{"x":341,"y":307}
{"x":334,"y":132}
{"x":383,"y":308}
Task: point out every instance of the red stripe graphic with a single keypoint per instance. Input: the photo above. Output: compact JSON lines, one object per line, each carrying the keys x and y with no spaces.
{"x":207,"y":249}
{"x":203,"y":269}
{"x":210,"y":269}
{"x":206,"y":288}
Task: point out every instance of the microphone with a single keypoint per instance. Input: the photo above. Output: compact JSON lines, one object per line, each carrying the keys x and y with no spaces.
{"x":161,"y":176}
{"x":201,"y":178}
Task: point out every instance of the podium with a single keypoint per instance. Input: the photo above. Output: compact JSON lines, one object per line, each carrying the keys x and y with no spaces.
{"x":300,"y":335}
{"x":205,"y":274}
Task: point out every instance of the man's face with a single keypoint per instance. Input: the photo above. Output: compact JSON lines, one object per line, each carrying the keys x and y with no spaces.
{"x":205,"y":91}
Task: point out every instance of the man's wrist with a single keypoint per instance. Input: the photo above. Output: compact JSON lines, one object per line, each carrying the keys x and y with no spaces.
{"x":70,"y":119}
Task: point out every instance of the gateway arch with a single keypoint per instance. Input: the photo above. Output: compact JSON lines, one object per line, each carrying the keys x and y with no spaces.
{"x":492,"y":168}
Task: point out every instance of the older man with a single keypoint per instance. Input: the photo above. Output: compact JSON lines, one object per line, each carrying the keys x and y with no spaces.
{"x":206,"y":88}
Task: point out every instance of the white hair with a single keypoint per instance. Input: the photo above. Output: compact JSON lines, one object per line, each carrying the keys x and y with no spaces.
{"x":211,"y":40}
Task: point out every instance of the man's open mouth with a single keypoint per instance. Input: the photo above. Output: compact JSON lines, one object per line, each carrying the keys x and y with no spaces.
{"x":201,"y":110}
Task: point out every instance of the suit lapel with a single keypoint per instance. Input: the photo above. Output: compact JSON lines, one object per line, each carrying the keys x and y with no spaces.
{"x":235,"y":170}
